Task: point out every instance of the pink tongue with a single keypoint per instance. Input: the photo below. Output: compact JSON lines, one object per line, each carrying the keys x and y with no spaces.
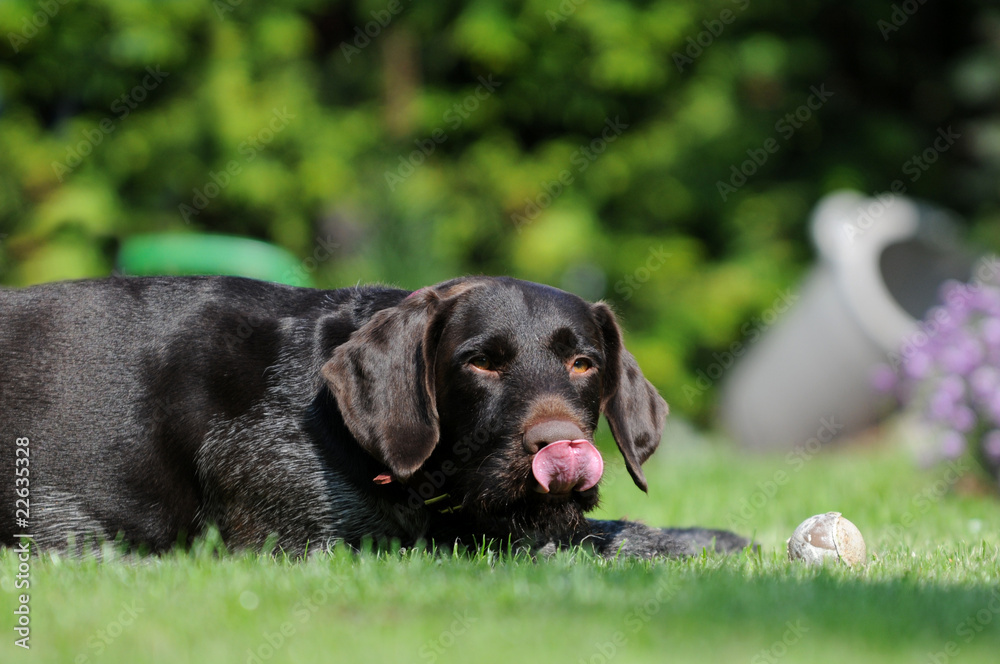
{"x":567,"y":465}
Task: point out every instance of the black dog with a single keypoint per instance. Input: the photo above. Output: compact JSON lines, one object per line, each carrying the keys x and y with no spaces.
{"x":151,"y":408}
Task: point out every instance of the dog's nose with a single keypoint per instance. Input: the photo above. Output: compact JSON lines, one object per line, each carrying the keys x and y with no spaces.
{"x":539,"y":435}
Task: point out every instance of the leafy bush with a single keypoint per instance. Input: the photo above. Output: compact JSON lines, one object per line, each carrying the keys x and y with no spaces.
{"x":662,"y":154}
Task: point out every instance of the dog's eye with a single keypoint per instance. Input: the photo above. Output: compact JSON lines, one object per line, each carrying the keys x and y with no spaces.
{"x":582,"y":365}
{"x":482,"y":363}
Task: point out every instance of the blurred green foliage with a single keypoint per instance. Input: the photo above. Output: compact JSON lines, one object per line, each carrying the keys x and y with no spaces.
{"x":579,"y":143}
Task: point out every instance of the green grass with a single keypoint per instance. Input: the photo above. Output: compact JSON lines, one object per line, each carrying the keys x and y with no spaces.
{"x":926,"y":595}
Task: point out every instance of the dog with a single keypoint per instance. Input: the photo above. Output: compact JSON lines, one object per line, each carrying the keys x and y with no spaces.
{"x":149,"y":409}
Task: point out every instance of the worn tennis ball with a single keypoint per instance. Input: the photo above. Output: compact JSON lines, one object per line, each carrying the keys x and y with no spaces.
{"x":827,"y":537}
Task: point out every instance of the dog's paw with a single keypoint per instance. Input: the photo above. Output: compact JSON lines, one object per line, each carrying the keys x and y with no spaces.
{"x":628,"y":538}
{"x":696,"y":539}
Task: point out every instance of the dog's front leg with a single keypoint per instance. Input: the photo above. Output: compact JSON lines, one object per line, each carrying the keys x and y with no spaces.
{"x":629,"y":538}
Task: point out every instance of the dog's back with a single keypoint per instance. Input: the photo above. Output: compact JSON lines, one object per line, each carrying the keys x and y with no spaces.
{"x":104,"y":388}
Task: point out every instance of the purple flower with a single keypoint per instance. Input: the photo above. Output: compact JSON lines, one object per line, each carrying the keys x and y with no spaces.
{"x":883,"y":378}
{"x":917,"y":365}
{"x":951,"y":371}
{"x":963,"y":419}
{"x":941,"y":407}
{"x":953,"y":386}
{"x":964,"y":355}
{"x":990,"y":331}
{"x":957,"y":298}
{"x":985,"y":300}
{"x":984,"y":382}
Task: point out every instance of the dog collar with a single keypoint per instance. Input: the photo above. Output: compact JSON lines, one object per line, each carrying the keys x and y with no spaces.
{"x":445,"y":508}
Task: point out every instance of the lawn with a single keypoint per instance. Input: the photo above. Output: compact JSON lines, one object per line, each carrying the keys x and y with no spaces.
{"x":930,"y":593}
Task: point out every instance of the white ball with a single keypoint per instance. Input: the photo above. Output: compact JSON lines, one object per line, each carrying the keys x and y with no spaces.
{"x":827,"y":537}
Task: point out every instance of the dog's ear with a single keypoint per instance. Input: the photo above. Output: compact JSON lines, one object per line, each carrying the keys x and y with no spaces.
{"x":383,"y":380}
{"x":632,"y":406}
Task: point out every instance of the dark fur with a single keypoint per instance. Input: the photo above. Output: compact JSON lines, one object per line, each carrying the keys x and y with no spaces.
{"x":156,"y":407}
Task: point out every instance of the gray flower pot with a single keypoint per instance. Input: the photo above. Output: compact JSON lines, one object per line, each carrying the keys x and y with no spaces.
{"x":881,"y":262}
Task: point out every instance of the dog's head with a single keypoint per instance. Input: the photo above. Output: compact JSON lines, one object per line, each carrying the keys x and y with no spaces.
{"x":490,"y":389}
